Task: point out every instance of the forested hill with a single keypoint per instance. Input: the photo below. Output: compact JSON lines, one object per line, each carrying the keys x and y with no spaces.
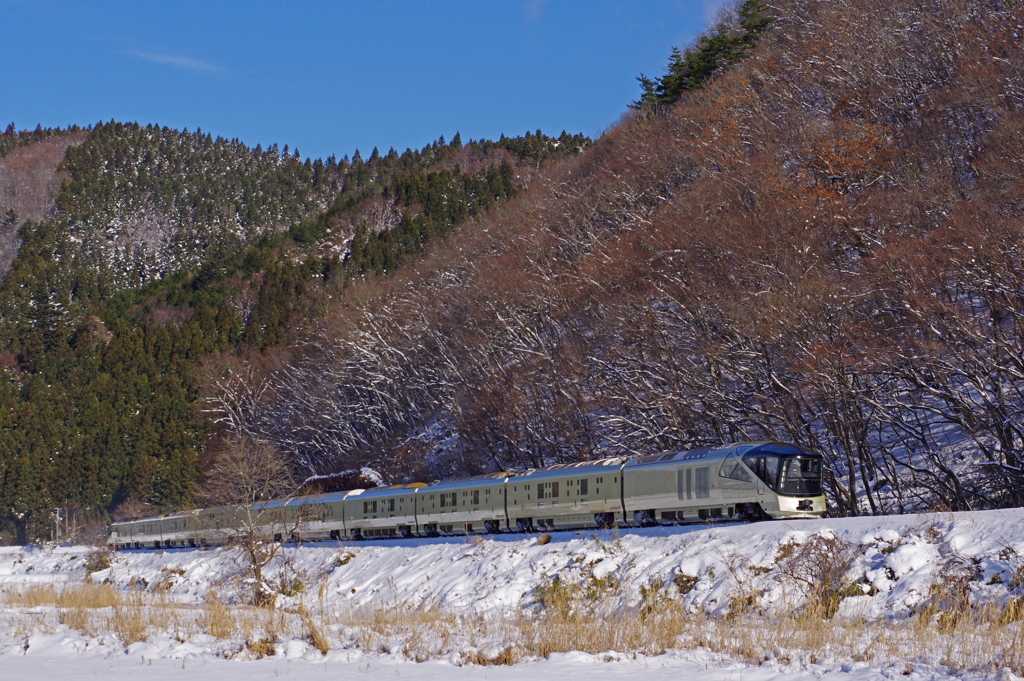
{"x":162,"y":248}
{"x":809,"y":229}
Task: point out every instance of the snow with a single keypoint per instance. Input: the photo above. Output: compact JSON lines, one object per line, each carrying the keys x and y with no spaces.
{"x":898,"y":560}
{"x":51,"y":664}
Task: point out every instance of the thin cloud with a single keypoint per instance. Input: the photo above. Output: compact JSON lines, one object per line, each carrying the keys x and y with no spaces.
{"x":533,"y":10}
{"x":187,"y":63}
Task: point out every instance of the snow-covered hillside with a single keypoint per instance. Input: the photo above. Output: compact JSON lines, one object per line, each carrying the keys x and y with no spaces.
{"x":886,"y":570}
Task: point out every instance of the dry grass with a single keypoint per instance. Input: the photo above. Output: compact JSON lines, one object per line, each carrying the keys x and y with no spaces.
{"x":314,"y":630}
{"x":72,"y":595}
{"x":131,"y":622}
{"x":975,"y":639}
{"x":587,"y":617}
{"x":217,"y":618}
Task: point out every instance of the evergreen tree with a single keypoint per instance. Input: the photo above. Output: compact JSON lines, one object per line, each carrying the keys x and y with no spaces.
{"x":689,"y":70}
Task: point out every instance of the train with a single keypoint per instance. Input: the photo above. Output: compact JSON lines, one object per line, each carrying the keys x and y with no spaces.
{"x":741,"y":481}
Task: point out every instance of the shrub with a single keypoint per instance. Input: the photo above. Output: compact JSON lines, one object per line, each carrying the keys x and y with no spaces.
{"x":820,"y":566}
{"x":684,"y":582}
{"x":263,"y":647}
{"x":99,"y":559}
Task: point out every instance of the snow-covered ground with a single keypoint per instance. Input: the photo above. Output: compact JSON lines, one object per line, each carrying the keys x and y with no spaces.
{"x":564,"y":667}
{"x":896,"y":563}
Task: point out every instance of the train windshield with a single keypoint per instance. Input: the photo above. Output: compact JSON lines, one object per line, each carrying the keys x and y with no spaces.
{"x":800,"y":477}
{"x":787,"y":470}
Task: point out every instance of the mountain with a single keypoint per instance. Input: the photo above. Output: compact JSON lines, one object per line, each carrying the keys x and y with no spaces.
{"x":148,"y":250}
{"x":808,"y":229}
{"x":819,"y":241}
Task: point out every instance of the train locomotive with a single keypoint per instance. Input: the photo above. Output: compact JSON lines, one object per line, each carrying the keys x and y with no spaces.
{"x":743,"y":481}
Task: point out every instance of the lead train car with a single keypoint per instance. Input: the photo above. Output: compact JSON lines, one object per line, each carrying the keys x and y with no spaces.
{"x":750,"y":480}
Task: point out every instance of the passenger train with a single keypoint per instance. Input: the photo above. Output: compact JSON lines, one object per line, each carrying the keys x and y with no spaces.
{"x":744,"y":481}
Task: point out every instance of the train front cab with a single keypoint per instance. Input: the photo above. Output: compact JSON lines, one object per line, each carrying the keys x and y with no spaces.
{"x":748,"y":481}
{"x":788,"y":479}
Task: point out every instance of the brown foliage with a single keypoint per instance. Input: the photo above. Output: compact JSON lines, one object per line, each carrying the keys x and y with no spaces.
{"x":29,"y":184}
{"x":821,"y":246}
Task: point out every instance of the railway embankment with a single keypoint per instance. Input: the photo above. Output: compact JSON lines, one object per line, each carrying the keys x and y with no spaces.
{"x":941,"y":586}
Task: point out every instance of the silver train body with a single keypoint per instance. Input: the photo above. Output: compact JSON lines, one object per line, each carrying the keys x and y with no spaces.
{"x":751,"y":480}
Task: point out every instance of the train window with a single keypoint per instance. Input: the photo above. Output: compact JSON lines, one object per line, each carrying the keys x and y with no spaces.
{"x":583,"y":486}
{"x":547,"y":490}
{"x":476,"y":496}
{"x":733,"y":470}
{"x":765,"y":466}
{"x":391,"y":505}
{"x":800,"y":477}
{"x":684,"y":484}
{"x":703,"y":482}
{"x":695,"y":454}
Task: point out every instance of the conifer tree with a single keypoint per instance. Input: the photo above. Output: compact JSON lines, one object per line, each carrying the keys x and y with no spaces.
{"x":691,"y":69}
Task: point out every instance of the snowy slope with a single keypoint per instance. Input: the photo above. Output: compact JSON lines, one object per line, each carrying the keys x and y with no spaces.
{"x":896,"y":562}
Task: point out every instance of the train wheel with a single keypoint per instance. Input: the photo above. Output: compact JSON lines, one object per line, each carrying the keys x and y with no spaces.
{"x":751,"y":512}
{"x":604,"y":520}
{"x":492,"y":527}
{"x":524,"y":524}
{"x":644,"y":518}
{"x":404,"y":531}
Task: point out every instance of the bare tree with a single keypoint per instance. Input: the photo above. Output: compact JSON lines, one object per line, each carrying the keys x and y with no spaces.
{"x":246,"y":477}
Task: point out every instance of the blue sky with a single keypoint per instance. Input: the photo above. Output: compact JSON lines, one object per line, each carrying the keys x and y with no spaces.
{"x":330,"y":77}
